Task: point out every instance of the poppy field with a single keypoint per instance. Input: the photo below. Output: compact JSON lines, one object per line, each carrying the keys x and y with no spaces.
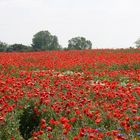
{"x":70,"y":95}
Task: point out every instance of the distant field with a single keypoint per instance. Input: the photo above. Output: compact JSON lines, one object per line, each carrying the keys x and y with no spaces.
{"x":70,"y":95}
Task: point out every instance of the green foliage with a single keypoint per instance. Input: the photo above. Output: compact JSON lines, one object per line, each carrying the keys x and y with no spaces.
{"x":79,"y":43}
{"x":136,"y":66}
{"x":4,"y":132}
{"x":3,"y":46}
{"x":18,"y":48}
{"x":119,"y":67}
{"x":8,"y":128}
{"x":138,"y":43}
{"x":43,"y":40}
{"x":29,"y":122}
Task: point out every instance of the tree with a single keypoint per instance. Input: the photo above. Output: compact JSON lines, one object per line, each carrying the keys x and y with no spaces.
{"x":18,"y":48}
{"x":79,"y":43}
{"x":3,"y":46}
{"x":138,"y":43}
{"x":43,"y":40}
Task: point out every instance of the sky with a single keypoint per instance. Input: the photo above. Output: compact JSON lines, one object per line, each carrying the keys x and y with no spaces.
{"x":106,"y":23}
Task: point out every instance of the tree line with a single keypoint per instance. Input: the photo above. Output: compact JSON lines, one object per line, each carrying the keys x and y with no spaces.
{"x":44,"y":40}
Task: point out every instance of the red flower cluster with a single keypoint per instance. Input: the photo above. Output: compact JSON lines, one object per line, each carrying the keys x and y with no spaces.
{"x":90,"y":94}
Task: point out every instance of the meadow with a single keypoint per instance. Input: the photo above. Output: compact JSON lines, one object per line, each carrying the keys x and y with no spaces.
{"x":70,"y":95}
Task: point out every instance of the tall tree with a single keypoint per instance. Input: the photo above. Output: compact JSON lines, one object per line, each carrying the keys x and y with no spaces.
{"x":79,"y":43}
{"x":43,"y":40}
{"x":3,"y":46}
{"x":138,"y":43}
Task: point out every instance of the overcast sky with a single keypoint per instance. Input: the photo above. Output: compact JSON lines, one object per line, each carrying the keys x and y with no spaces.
{"x":107,"y":23}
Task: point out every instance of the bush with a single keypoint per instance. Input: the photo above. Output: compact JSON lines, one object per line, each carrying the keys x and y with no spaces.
{"x":29,"y":122}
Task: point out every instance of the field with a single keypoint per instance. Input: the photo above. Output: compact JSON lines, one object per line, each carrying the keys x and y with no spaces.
{"x":70,"y":95}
